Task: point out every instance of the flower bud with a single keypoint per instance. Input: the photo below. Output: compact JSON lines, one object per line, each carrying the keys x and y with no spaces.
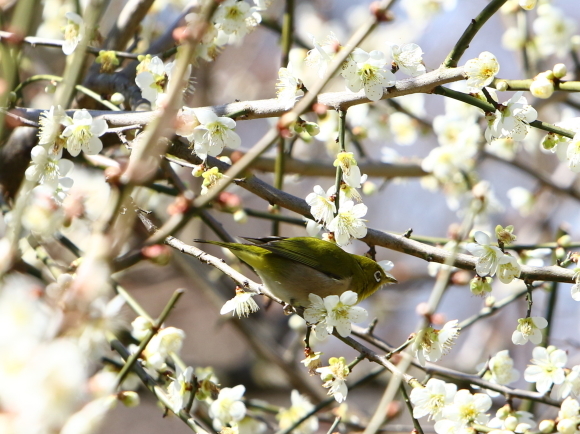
{"x":564,"y":240}
{"x":480,"y":286}
{"x":567,"y":426}
{"x":511,"y":422}
{"x":503,"y":412}
{"x":542,"y":86}
{"x":549,"y":141}
{"x":128,"y":398}
{"x":50,"y":88}
{"x":312,"y":128}
{"x":505,"y":235}
{"x":501,"y":85}
{"x":117,"y":98}
{"x":198,"y":170}
{"x":240,"y":216}
{"x":546,"y":426}
{"x":559,"y":70}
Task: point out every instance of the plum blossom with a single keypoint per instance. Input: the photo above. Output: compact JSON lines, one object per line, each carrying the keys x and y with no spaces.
{"x":489,"y":257}
{"x":334,"y":377}
{"x":481,"y":71}
{"x":367,"y":71}
{"x":408,"y":58}
{"x":82,"y":133}
{"x":511,"y":119}
{"x":546,"y":368}
{"x":213,"y":134}
{"x":348,"y":222}
{"x":334,"y":312}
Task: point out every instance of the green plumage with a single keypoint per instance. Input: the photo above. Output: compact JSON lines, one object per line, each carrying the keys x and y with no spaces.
{"x":292,"y":268}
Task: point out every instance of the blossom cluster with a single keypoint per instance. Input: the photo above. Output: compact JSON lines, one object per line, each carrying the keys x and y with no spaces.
{"x":456,"y":410}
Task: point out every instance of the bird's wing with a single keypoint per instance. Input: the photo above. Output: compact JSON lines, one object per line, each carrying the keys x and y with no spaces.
{"x":296,"y":250}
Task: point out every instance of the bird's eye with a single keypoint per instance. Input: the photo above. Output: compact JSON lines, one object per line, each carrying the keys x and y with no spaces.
{"x":378,"y":276}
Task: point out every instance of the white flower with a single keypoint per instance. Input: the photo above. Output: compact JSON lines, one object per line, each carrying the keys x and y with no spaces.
{"x":553,"y":31}
{"x":511,"y":119}
{"x":243,"y":304}
{"x":321,"y":55}
{"x":571,"y":384}
{"x":322,"y":207}
{"x":529,"y":329}
{"x":408,"y":59}
{"x":501,"y":369}
{"x":546,"y":368}
{"x":74,"y":31}
{"x":431,"y":399}
{"x":234,"y":19}
{"x":348,"y":222}
{"x":168,"y":340}
{"x":290,"y":87}
{"x":489,"y":256}
{"x":140,"y":327}
{"x":334,"y":377}
{"x":367,"y":71}
{"x":467,"y":408}
{"x":334,"y":312}
{"x":83,"y":132}
{"x":49,"y":131}
{"x":509,"y":270}
{"x":48,"y":170}
{"x":431,"y":344}
{"x":350,"y":170}
{"x":301,"y":405}
{"x":568,"y":150}
{"x":481,"y":70}
{"x":213,"y":134}
{"x":152,"y":80}
{"x":178,"y":390}
{"x":228,"y":408}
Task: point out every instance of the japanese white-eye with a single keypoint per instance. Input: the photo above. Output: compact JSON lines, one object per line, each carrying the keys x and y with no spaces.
{"x":293,"y":268}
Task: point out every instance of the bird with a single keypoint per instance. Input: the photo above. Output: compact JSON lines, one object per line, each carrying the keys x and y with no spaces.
{"x":293,"y":268}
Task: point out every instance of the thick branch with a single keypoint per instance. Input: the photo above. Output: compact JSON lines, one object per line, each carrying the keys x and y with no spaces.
{"x":272,"y":107}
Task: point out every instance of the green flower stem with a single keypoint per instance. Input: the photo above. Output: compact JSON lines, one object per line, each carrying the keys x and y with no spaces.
{"x":155,"y":328}
{"x":474,"y":26}
{"x":488,"y":108}
{"x":564,"y":86}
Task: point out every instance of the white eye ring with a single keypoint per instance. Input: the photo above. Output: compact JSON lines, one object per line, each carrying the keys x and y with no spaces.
{"x":378,"y":276}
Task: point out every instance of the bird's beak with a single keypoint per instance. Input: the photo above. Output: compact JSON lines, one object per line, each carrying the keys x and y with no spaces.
{"x":390,"y":278}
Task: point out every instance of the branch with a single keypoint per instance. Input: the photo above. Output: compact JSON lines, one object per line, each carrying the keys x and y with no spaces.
{"x":374,"y":237}
{"x":267,"y":108}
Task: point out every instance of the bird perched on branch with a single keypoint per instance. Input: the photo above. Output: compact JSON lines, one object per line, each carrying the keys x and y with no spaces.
{"x":293,"y":268}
